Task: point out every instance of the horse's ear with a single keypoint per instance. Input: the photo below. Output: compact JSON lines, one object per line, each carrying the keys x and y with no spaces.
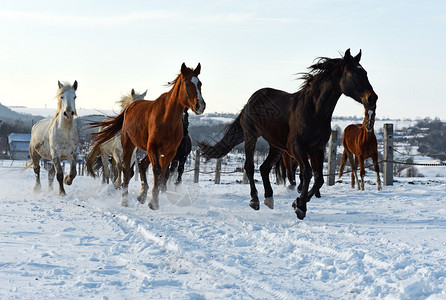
{"x":183,"y":69}
{"x":143,"y":95}
{"x":59,"y":84}
{"x":197,"y":69}
{"x":75,"y":85}
{"x":347,"y":54}
{"x":358,"y":57}
{"x":132,"y":93}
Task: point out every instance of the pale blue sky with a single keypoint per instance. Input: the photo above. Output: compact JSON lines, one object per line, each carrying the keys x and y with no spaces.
{"x":110,"y":47}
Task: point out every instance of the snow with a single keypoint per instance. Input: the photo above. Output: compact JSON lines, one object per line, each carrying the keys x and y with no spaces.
{"x":207,"y":243}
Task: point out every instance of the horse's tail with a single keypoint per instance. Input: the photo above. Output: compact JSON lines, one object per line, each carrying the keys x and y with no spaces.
{"x":91,"y":157}
{"x":343,"y":162}
{"x":233,"y":136}
{"x":109,"y":128}
{"x":28,"y":165}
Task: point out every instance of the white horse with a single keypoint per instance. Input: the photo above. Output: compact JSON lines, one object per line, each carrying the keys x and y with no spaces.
{"x":113,"y":147}
{"x":56,"y":139}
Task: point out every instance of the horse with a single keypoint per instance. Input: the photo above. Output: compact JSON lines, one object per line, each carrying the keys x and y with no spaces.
{"x":359,"y":140}
{"x":56,"y":139}
{"x":183,"y":152}
{"x":156,"y":127}
{"x":298,"y":123}
{"x":112,"y":147}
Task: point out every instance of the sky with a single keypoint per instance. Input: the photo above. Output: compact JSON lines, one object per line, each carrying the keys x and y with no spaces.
{"x":110,"y":47}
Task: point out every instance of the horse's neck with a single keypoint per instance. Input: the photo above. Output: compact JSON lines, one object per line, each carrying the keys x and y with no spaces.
{"x":325,"y":102}
{"x":64,"y":123}
{"x":173,"y":107}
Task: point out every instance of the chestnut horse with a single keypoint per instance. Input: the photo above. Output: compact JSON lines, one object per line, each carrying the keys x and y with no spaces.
{"x":298,"y":123}
{"x":359,"y":141}
{"x":156,"y":127}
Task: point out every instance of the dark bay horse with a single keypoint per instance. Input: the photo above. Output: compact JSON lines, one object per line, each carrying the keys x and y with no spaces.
{"x":359,"y":140}
{"x":156,"y":127}
{"x":183,"y":152}
{"x":298,"y":123}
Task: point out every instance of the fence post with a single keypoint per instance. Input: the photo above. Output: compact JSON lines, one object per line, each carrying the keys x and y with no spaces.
{"x":332,"y":148}
{"x":218,"y":171}
{"x":388,"y":154}
{"x":197,"y":166}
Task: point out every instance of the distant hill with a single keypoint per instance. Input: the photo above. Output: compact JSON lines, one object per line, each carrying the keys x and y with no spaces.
{"x":9,"y":116}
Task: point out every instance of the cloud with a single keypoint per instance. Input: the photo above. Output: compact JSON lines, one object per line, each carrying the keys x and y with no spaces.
{"x":66,"y":20}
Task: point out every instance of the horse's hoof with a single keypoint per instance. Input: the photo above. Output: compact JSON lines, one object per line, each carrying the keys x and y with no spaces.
{"x":299,"y":213}
{"x":269,"y":201}
{"x":153,"y":206}
{"x":62,"y":193}
{"x":124,"y":203}
{"x":141,"y":199}
{"x":294,"y":204}
{"x":37,"y":188}
{"x":292,"y":186}
{"x":317,"y":194}
{"x":254,"y":204}
{"x":177,"y":183}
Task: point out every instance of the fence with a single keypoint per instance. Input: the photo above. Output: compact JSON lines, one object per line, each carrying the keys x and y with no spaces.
{"x":387,"y":162}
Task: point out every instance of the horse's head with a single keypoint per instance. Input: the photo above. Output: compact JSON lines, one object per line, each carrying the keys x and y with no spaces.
{"x":67,"y":99}
{"x":369,"y":119}
{"x":355,"y":83}
{"x":191,"y":86}
{"x":137,"y":96}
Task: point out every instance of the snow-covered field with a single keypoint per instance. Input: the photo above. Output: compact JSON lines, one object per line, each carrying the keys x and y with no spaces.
{"x":352,"y":244}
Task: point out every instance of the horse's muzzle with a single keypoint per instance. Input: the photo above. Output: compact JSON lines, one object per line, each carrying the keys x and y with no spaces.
{"x":199,"y":107}
{"x":69,"y":114}
{"x":369,"y":100}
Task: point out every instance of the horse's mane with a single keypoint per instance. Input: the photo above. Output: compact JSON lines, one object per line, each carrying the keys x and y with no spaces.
{"x":128,"y":99}
{"x":317,"y":73}
{"x":66,"y":86}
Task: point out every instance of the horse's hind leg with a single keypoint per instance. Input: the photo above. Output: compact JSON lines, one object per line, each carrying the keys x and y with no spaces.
{"x":127,"y":153}
{"x":353,"y":165}
{"x":273,"y":155}
{"x":51,"y":174}
{"x":250,"y":144}
{"x":105,"y":168}
{"x":36,"y":167}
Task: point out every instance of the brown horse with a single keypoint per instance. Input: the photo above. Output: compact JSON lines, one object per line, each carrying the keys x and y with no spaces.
{"x":298,"y":123}
{"x":156,"y":127}
{"x":360,"y":140}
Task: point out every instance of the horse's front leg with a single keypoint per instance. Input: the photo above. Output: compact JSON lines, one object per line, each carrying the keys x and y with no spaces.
{"x":59,"y":175}
{"x":300,"y":204}
{"x":376,"y":168}
{"x":159,"y":167}
{"x":181,"y":169}
{"x":361,"y":172}
{"x":317,"y":165}
{"x":73,"y":172}
{"x":51,"y":174}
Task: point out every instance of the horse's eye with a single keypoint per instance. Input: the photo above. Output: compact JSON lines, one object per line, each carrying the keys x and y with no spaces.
{"x":75,"y":97}
{"x":61,"y":97}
